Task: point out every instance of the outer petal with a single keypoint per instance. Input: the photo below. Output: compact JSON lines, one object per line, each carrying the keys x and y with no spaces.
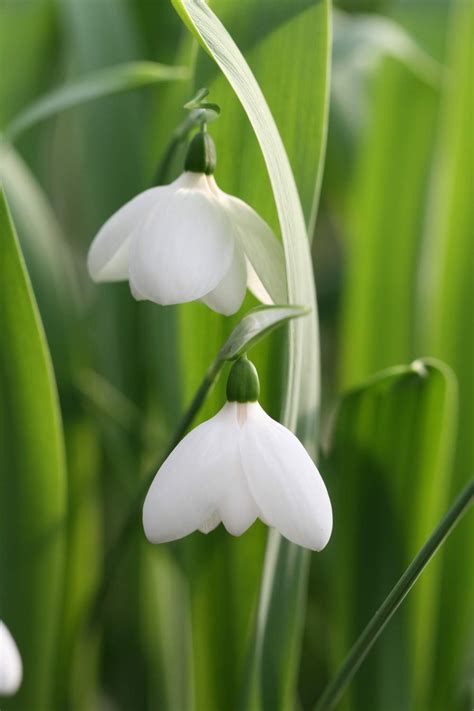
{"x":11,"y":669}
{"x":109,"y":252}
{"x":229,"y":294}
{"x":255,"y":285}
{"x":187,"y":489}
{"x":263,"y":250}
{"x":185,"y":247}
{"x":211,"y":523}
{"x":284,"y":481}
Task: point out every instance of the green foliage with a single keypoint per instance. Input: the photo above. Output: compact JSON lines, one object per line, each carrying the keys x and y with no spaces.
{"x":92,"y":86}
{"x":213,"y":622}
{"x":390,"y":462}
{"x":255,"y":326}
{"x":33,"y":480}
{"x":384,"y":217}
{"x":445,"y":317}
{"x":393,"y":600}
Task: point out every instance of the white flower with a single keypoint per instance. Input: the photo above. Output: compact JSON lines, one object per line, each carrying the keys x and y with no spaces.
{"x":184,"y":242}
{"x":11,"y":669}
{"x":236,"y":467}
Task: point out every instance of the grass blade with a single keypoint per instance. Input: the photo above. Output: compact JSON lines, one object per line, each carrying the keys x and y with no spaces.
{"x":391,"y":603}
{"x":104,"y":82}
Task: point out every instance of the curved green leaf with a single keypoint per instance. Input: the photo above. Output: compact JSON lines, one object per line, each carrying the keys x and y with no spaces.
{"x":49,"y":261}
{"x":390,"y":605}
{"x":255,"y":325}
{"x":103,"y":82}
{"x":390,"y":462}
{"x":216,"y":40}
{"x":286,"y":564}
{"x":33,"y":501}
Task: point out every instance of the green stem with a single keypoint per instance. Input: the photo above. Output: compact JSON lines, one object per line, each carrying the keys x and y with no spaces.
{"x":362,"y":646}
{"x":117,"y":549}
{"x":163,"y":169}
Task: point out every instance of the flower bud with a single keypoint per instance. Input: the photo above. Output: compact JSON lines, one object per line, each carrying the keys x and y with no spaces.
{"x":243,"y":384}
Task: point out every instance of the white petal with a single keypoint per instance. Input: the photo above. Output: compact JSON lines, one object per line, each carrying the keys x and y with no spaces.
{"x":188,"y":487}
{"x":108,"y":256}
{"x":11,"y":669}
{"x":185,"y":246}
{"x":212,"y":522}
{"x":229,"y":294}
{"x":237,"y":508}
{"x":135,"y":293}
{"x":284,"y":481}
{"x":263,"y":250}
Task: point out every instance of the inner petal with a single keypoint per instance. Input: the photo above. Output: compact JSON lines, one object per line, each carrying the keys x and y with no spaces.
{"x":237,"y":509}
{"x":241,"y":411}
{"x":212,"y":522}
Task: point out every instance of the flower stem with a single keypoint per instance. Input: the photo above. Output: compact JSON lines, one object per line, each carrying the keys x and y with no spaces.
{"x":179,"y":136}
{"x":362,"y":646}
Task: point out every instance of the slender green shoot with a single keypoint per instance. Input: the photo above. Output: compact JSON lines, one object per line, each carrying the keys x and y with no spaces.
{"x":364,"y":643}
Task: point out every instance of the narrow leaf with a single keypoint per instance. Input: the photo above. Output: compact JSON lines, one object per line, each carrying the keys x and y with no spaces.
{"x":255,"y":325}
{"x":444,"y":328}
{"x":32,"y":476}
{"x":103,"y":82}
{"x":49,"y":260}
{"x":392,"y":602}
{"x":390,"y":470}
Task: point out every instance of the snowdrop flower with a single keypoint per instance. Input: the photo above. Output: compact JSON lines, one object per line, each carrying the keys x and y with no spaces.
{"x":239,"y":466}
{"x":11,"y":669}
{"x":184,"y":241}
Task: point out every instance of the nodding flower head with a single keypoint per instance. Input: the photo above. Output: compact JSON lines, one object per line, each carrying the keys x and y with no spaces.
{"x":239,"y":466}
{"x":184,"y":241}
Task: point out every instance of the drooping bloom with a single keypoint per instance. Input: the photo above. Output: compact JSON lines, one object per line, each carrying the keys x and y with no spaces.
{"x":11,"y":668}
{"x":234,"y":468}
{"x":184,"y":241}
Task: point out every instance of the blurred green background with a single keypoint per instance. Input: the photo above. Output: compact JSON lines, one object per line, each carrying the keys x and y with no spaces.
{"x":393,"y":262}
